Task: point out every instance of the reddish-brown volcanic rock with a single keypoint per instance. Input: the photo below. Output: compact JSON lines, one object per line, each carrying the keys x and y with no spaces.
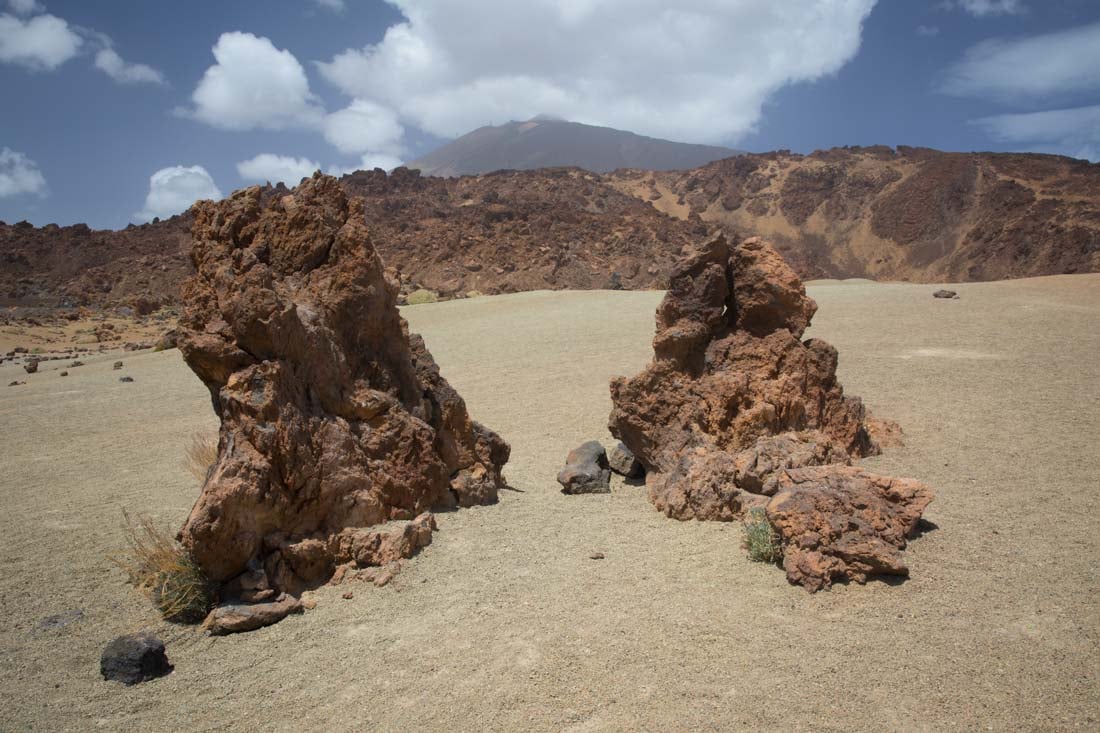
{"x":843,"y":523}
{"x":333,"y":418}
{"x":734,"y":407}
{"x":729,"y":369}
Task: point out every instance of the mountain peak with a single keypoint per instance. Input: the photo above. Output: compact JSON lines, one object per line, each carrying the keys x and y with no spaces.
{"x":534,"y":144}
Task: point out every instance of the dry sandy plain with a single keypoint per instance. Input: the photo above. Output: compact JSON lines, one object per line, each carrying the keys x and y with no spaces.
{"x":504,"y":623}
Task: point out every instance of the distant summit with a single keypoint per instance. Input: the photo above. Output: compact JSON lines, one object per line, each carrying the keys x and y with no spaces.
{"x":545,"y":141}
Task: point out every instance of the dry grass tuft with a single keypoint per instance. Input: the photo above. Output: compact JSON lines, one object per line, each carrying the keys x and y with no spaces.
{"x":201,"y":454}
{"x":761,"y":539}
{"x":160,"y":568}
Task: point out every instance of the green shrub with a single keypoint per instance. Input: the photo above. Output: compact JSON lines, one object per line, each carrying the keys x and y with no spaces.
{"x":164,"y":571}
{"x":761,"y":539}
{"x":419,"y":297}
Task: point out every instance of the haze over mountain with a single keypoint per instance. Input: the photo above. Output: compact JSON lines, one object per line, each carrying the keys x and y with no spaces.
{"x":547,"y":142}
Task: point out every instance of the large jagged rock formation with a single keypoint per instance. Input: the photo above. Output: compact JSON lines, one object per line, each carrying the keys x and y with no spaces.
{"x":333,"y":418}
{"x":734,"y":400}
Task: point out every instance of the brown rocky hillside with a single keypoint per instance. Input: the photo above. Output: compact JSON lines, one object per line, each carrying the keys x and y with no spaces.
{"x":910,"y":214}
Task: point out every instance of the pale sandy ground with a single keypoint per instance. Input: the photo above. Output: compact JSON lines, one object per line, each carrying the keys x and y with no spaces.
{"x":504,"y":623}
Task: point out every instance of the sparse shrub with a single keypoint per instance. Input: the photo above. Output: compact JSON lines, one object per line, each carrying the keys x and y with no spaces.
{"x":164,"y":571}
{"x":201,"y":454}
{"x":419,"y":297}
{"x":761,"y":539}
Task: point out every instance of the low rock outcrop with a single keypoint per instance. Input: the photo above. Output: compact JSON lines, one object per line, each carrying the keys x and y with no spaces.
{"x":333,"y":417}
{"x":843,"y":523}
{"x":734,"y":402}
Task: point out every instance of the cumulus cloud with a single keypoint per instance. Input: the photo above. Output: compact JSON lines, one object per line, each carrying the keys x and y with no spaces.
{"x":254,"y":85}
{"x":113,"y":66}
{"x":41,"y":43}
{"x":175,"y":189}
{"x":983,"y":8}
{"x":25,"y":7}
{"x":694,"y":70}
{"x":1074,"y":132}
{"x":333,"y":5}
{"x":277,"y":168}
{"x":363,"y":126}
{"x":1042,"y":65}
{"x":19,"y":174}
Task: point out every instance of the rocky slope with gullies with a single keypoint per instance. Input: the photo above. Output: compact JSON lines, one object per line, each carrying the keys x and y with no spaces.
{"x":907,"y":214}
{"x":511,"y":231}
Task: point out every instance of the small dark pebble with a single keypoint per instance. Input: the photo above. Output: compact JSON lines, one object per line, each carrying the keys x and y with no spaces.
{"x":125,"y":379}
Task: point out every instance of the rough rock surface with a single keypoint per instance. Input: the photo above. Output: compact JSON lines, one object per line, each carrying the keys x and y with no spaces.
{"x":729,"y":369}
{"x":586,"y":470}
{"x":134,"y":658}
{"x":734,"y":405}
{"x":841,"y":522}
{"x":233,"y":618}
{"x":623,"y":462}
{"x":333,"y":418}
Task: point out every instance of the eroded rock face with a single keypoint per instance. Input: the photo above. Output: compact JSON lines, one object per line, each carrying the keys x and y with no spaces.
{"x":841,"y":522}
{"x":735,"y":409}
{"x":333,"y":417}
{"x":729,"y":369}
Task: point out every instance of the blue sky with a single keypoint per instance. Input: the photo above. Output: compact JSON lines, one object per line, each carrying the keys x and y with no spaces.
{"x":122,"y":110}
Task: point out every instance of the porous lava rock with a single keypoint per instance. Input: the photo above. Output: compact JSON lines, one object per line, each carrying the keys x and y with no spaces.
{"x":729,"y":368}
{"x":333,"y":417}
{"x":841,"y":522}
{"x":734,"y":404}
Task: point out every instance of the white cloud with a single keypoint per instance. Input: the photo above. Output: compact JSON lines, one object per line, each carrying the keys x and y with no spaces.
{"x":254,"y":85}
{"x":175,"y":189}
{"x":277,"y":168}
{"x":693,"y":70}
{"x":364,"y":126}
{"x":333,"y":5}
{"x":1051,"y":63}
{"x":41,"y":43}
{"x":25,"y":7}
{"x":983,"y":8}
{"x":1074,"y":132}
{"x":112,"y":64}
{"x":19,"y":174}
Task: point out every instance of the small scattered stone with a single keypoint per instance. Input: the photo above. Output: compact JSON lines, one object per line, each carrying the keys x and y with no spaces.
{"x":348,"y":596}
{"x":134,"y":658}
{"x":623,"y":462}
{"x":125,"y":379}
{"x":309,"y":603}
{"x":586,"y":470}
{"x":16,"y":383}
{"x":64,"y":374}
{"x":76,"y":364}
{"x":596,"y":556}
{"x":31,"y":366}
{"x":945,"y":294}
{"x":117,"y":365}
